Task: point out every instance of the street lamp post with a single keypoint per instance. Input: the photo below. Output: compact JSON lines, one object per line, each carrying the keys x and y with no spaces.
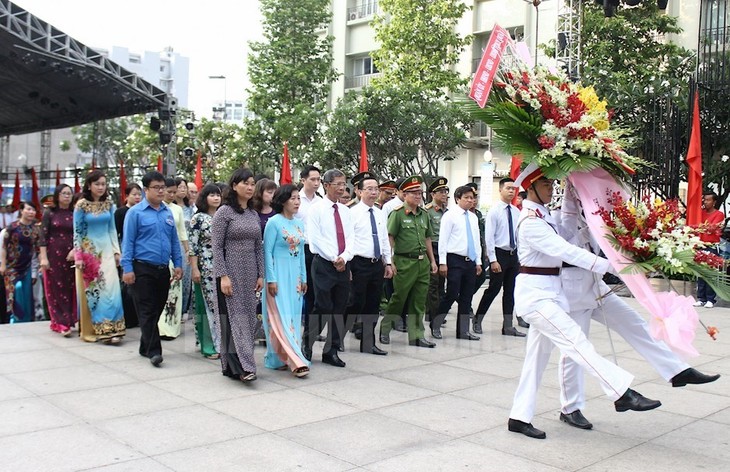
{"x":536,"y":4}
{"x":225,"y":93}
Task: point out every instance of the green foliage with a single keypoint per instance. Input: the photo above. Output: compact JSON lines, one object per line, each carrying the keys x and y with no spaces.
{"x":399,"y":122}
{"x":290,"y":72}
{"x":418,"y":44}
{"x":628,"y":61}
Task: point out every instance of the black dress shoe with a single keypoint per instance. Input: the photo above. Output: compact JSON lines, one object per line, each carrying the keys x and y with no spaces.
{"x":527,"y":429}
{"x":633,"y":400}
{"x":307,"y":353}
{"x":512,"y":332}
{"x":377,"y":351}
{"x":468,"y":336}
{"x":522,"y":323}
{"x":333,"y":359}
{"x":692,"y":376}
{"x":421,"y":343}
{"x":436,"y":333}
{"x":477,"y":328}
{"x":384,"y":338}
{"x":576,"y":419}
{"x":156,"y":360}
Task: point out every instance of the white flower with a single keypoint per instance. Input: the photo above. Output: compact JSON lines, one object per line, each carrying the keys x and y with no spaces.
{"x":725,"y":158}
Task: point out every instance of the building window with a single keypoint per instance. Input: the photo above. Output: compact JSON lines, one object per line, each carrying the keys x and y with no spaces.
{"x":362,"y":9}
{"x":517,"y":33}
{"x":135,"y":60}
{"x":364,"y":66}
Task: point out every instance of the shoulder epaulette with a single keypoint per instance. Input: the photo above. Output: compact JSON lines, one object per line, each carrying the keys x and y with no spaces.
{"x":398,"y":208}
{"x":429,"y":206}
{"x":533,"y":214}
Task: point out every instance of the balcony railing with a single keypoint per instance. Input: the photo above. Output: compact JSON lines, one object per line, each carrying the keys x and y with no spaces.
{"x":480,"y":130}
{"x":359,"y":81}
{"x":363,"y":10}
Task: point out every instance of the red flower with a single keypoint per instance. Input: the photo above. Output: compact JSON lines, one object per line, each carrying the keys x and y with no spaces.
{"x":92,"y":264}
{"x":546,"y":142}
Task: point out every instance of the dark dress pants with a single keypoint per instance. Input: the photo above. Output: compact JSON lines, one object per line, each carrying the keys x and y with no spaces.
{"x":149,"y":292}
{"x":460,"y":281}
{"x":309,"y":297}
{"x":510,"y":264}
{"x":367,"y":289}
{"x":331,"y":293}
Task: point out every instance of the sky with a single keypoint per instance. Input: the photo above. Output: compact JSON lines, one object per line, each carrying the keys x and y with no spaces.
{"x":213,"y":34}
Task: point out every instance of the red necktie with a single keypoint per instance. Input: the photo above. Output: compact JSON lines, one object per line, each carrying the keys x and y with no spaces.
{"x":340,"y":231}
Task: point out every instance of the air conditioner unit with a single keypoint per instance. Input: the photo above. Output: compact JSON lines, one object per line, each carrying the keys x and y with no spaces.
{"x":353,"y":16}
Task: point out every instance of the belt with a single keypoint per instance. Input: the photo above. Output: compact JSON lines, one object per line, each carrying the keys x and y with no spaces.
{"x":540,"y":270}
{"x":371,"y":260}
{"x":411,"y":255}
{"x":566,"y":265}
{"x":154,"y":266}
{"x":459,"y":256}
{"x":511,"y":252}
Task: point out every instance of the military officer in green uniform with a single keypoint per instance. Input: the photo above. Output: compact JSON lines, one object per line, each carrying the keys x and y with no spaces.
{"x":409,"y":231}
{"x":439,"y":191}
{"x":387,"y":192}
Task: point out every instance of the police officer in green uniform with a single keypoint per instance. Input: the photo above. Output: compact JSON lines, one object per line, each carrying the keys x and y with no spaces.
{"x":439,"y":191}
{"x":409,"y":230}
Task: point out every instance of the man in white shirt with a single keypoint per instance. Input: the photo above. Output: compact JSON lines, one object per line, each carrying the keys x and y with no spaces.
{"x":460,"y":261}
{"x":371,"y":261}
{"x":310,"y":180}
{"x":330,"y":233}
{"x":501,"y":246}
{"x":540,"y":299}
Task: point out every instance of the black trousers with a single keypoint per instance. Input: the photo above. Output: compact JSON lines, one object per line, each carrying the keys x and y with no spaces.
{"x":150,"y":295}
{"x":309,"y":296}
{"x":331,"y":293}
{"x":461,"y":278}
{"x":510,"y":264}
{"x":366,"y":289}
{"x":130,"y":311}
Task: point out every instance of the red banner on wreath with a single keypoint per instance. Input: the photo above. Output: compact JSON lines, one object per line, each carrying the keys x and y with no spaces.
{"x":484,"y":76}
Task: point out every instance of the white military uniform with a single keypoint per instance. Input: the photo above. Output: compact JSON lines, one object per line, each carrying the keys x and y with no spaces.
{"x":585,"y":292}
{"x":540,"y":300}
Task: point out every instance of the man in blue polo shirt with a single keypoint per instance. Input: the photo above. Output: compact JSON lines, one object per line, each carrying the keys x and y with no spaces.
{"x":150,"y":242}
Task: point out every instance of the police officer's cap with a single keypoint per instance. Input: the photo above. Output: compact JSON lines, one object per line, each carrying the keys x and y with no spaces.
{"x":411,"y":183}
{"x":439,"y":183}
{"x":357,"y":178}
{"x":388,"y":184}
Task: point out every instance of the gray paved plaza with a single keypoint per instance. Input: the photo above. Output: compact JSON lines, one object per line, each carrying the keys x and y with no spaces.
{"x":67,"y":405}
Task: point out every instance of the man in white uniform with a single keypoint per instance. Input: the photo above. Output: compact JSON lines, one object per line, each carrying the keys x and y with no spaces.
{"x":590,"y":298}
{"x":540,"y":300}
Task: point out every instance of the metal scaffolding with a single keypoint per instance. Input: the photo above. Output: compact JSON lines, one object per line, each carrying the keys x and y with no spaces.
{"x":568,"y":50}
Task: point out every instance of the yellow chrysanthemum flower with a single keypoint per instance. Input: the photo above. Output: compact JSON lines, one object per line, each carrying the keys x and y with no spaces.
{"x":590,"y":99}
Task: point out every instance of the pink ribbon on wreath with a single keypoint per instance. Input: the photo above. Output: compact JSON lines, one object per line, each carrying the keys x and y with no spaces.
{"x":673,"y":318}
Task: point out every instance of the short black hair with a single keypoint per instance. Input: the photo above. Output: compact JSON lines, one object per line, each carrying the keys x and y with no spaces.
{"x":460,"y":191}
{"x":258,"y":177}
{"x":504,"y":181}
{"x":131,"y":187}
{"x":152,"y":176}
{"x":58,"y":191}
{"x":170,"y":182}
{"x":202,"y":202}
{"x":93,"y":176}
{"x":22,"y":204}
{"x":307,"y":169}
{"x":231,"y":197}
{"x":281,"y":196}
{"x":714,"y":196}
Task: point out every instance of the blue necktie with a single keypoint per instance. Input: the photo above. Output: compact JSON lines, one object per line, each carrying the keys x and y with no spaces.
{"x":376,"y":240}
{"x":512,"y":244}
{"x":470,"y":249}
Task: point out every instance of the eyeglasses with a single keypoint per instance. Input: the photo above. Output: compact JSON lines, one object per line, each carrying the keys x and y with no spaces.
{"x":370,"y":189}
{"x":157,"y":188}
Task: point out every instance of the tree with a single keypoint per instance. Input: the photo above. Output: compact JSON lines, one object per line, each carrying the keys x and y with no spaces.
{"x":419,"y":45}
{"x":628,"y":61}
{"x":407,"y":133}
{"x":290,"y":73}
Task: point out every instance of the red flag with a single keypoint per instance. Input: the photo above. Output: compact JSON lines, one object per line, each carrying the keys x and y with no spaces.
{"x":77,"y":187}
{"x":285,"y":177}
{"x":122,"y":183}
{"x":1,"y":189}
{"x":199,"y":172}
{"x":34,"y":189}
{"x":694,"y":174}
{"x":16,"y":191}
{"x":159,"y":164}
{"x":514,"y":171}
{"x":58,"y":176}
{"x":363,"y":153}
